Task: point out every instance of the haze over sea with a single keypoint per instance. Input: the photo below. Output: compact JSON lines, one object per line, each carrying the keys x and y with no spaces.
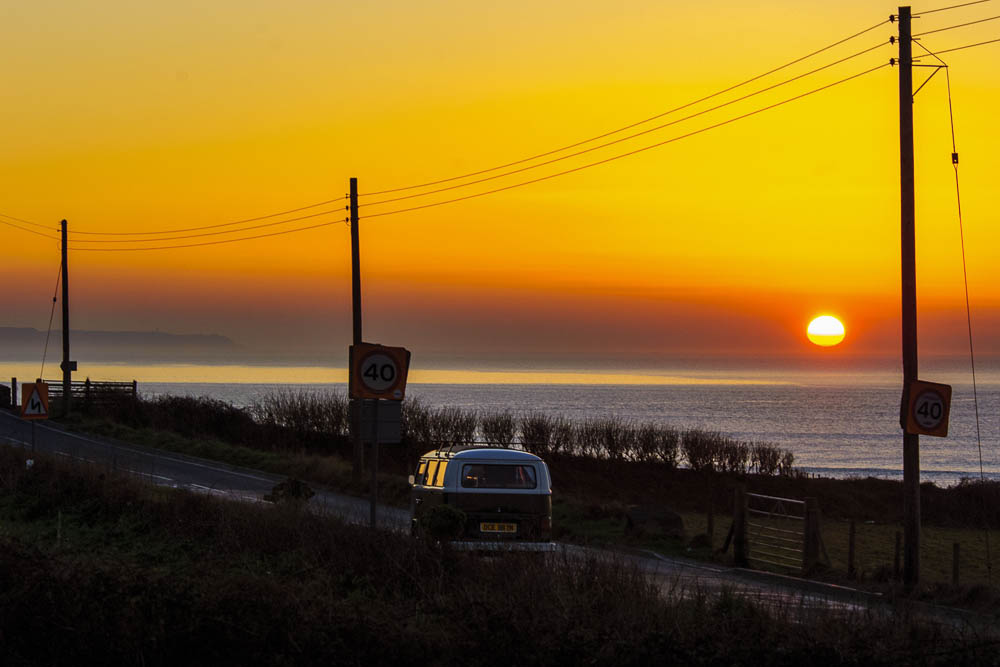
{"x":838,"y":424}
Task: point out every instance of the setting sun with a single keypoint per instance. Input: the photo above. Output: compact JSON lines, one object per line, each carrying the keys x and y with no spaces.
{"x":825,"y":331}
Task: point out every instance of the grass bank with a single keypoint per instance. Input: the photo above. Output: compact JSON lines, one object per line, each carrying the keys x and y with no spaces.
{"x":301,"y":436}
{"x":100,"y":569}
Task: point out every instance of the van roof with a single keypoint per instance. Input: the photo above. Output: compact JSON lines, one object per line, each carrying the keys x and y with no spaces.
{"x":479,"y":452}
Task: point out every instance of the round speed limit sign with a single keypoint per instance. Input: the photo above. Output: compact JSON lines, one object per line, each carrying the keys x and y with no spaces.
{"x":929,"y":410}
{"x":379,"y":372}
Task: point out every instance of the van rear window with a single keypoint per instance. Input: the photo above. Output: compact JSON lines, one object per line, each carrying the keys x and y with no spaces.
{"x":439,"y":477}
{"x":498,"y":476}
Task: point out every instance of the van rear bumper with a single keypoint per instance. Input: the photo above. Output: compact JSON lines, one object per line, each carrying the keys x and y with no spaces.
{"x":505,"y":545}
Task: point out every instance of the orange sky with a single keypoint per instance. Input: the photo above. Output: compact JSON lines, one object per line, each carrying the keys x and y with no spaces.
{"x":147,"y":117}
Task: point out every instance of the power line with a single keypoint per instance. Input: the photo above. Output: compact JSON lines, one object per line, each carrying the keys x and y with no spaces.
{"x":953,"y":27}
{"x":631,"y":136}
{"x":944,"y":9}
{"x":969,"y":46}
{"x":25,"y":229}
{"x":965,"y":281}
{"x":630,"y":126}
{"x":27,"y":222}
{"x":194,"y":245}
{"x":968,"y":307}
{"x":629,"y":153}
{"x":547,"y":177}
{"x":192,"y":236}
{"x":224,"y":224}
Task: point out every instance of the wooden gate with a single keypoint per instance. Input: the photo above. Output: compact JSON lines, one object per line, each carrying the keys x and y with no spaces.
{"x":776,"y":532}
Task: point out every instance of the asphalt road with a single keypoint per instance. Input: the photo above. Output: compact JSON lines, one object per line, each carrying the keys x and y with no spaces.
{"x":180,"y":471}
{"x":676,"y":575}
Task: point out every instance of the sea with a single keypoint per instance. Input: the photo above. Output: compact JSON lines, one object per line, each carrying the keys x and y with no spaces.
{"x":837,"y":424}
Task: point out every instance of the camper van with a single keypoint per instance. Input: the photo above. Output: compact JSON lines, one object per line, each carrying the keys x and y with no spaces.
{"x":505,"y":495}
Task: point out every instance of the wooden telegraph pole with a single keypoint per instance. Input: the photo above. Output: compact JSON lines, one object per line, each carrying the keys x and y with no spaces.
{"x":356,"y":439}
{"x":67,"y":365}
{"x":911,"y":441}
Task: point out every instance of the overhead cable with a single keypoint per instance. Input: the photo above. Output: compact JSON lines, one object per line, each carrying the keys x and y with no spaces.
{"x":480,"y":194}
{"x":30,"y":231}
{"x":632,"y":152}
{"x":27,"y":222}
{"x":968,"y":46}
{"x":224,"y":224}
{"x":192,"y":236}
{"x":953,"y":27}
{"x":195,"y":245}
{"x":632,"y":125}
{"x":944,"y":9}
{"x":631,"y":136}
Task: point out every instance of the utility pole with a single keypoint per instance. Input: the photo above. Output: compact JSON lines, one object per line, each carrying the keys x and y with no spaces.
{"x":911,"y":441}
{"x":356,"y":439}
{"x":67,"y":366}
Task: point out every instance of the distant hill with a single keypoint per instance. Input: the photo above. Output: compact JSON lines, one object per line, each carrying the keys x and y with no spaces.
{"x":25,"y":343}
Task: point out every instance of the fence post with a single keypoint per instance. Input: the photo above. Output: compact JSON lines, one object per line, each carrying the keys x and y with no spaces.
{"x":810,"y":550}
{"x":86,"y":393}
{"x":740,"y":526}
{"x":13,"y":393}
{"x":954,"y":563}
{"x":135,"y":389}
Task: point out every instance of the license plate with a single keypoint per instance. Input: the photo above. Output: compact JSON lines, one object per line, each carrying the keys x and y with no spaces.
{"x":493,"y":527}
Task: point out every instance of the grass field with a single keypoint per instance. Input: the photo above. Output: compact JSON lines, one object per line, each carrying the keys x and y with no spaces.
{"x":101,"y":569}
{"x":592,"y":496}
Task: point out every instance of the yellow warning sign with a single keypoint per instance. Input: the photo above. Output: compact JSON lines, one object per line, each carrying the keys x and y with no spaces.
{"x":34,"y":400}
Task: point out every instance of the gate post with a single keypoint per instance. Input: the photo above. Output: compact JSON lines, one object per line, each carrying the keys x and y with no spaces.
{"x":811,"y":548}
{"x":740,"y":526}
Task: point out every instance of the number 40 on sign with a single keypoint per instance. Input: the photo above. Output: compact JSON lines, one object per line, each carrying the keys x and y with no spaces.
{"x":928,"y":407}
{"x":378,"y":371}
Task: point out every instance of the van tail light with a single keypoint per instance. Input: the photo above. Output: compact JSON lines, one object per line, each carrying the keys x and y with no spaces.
{"x":547,"y":525}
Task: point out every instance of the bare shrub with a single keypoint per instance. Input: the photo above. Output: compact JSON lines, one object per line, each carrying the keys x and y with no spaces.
{"x":303,"y":412}
{"x":452,"y":426}
{"x":700,"y":448}
{"x":537,"y":430}
{"x":415,"y":429}
{"x":588,"y":439}
{"x":498,"y":428}
{"x":787,"y":459}
{"x":563,"y":436}
{"x":766,"y":458}
{"x":656,"y":443}
{"x":615,"y":437}
{"x":734,"y":456}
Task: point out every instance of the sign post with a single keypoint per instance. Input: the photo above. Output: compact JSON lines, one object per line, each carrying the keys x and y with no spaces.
{"x":378,"y":373}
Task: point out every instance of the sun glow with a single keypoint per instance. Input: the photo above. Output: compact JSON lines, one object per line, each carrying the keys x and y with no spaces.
{"x":825,"y":331}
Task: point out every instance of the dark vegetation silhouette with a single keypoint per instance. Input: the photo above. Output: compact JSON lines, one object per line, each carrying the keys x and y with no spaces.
{"x":97,"y":568}
{"x":603,"y":460}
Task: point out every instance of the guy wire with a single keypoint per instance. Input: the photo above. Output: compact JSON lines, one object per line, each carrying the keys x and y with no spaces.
{"x":968,"y":308}
{"x":55,"y":293}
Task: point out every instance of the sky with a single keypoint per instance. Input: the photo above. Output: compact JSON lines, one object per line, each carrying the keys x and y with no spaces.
{"x":126,"y":117}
